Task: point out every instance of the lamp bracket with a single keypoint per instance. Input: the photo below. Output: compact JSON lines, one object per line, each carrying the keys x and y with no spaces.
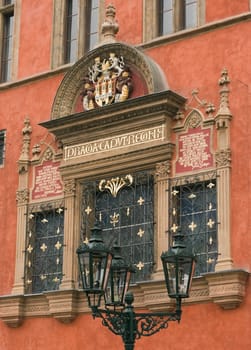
{"x":132,"y":326}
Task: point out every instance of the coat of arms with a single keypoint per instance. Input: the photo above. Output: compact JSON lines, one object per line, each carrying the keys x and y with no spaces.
{"x":108,"y":81}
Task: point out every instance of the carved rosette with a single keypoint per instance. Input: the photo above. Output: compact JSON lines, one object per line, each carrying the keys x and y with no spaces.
{"x":22,"y":196}
{"x":223,"y":158}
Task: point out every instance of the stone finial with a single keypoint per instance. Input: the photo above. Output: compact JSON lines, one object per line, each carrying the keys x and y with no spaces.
{"x":26,"y":131}
{"x":110,"y":26}
{"x":224,"y":93}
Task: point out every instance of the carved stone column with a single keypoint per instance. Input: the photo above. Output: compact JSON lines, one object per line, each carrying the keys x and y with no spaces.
{"x":223,"y":164}
{"x":161,"y":213}
{"x":70,"y":239}
{"x":22,"y":202}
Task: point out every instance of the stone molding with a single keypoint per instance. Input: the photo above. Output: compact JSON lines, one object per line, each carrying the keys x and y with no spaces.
{"x":225,"y":288}
{"x":70,"y":87}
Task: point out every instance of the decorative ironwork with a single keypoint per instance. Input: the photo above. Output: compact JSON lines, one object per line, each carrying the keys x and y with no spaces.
{"x":193,"y":211}
{"x":123,"y":217}
{"x":44,"y":252}
{"x":132,"y":326}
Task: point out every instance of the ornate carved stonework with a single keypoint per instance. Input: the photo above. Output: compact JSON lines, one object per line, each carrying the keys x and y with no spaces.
{"x":227,"y":289}
{"x":223,"y":158}
{"x":108,"y":81}
{"x":224,"y":81}
{"x":69,"y":187}
{"x":110,"y":26}
{"x":22,"y":196}
{"x":72,"y":84}
{"x":163,"y":169}
{"x":27,"y":130}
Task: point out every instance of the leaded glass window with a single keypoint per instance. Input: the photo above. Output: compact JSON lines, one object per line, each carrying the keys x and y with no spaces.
{"x":193,"y":211}
{"x":123,"y":205}
{"x":44,"y":248}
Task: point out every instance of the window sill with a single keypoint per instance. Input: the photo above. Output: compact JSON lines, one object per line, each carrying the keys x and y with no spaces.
{"x":225,"y":288}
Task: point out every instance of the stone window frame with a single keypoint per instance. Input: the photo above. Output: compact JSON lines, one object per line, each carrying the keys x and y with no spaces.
{"x":58,"y":40}
{"x":14,"y":8}
{"x":150,"y":18}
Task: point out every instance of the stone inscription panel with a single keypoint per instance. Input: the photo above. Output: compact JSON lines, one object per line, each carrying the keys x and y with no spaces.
{"x":113,"y":143}
{"x":47,"y":181}
{"x":194,"y":150}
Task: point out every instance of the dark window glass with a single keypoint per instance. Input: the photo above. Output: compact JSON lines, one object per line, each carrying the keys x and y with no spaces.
{"x":92,"y":20}
{"x":193,"y":211}
{"x":71,"y":37}
{"x":166,"y":17}
{"x":8,"y":2}
{"x":126,"y":217}
{"x":8,"y":20}
{"x":2,"y":146}
{"x":44,"y":250}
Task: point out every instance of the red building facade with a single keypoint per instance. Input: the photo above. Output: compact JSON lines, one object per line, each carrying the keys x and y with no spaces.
{"x":137,"y":119}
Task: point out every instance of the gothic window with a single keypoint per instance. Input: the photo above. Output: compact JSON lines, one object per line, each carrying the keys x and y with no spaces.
{"x":2,"y":146}
{"x":124,"y":207}
{"x":7,"y":24}
{"x":44,"y":248}
{"x":193,"y":212}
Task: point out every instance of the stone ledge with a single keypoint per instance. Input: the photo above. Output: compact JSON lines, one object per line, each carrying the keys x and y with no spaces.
{"x":225,"y":288}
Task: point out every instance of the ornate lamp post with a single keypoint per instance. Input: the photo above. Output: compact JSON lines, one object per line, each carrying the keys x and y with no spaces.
{"x":104,"y":273}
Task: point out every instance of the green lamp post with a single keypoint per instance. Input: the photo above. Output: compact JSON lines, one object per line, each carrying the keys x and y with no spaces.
{"x":104,"y":274}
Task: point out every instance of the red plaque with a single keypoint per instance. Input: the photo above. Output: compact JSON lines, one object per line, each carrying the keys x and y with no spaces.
{"x":47,"y":182}
{"x":194,"y":150}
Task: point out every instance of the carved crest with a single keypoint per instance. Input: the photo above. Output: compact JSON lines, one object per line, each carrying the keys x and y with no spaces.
{"x":108,"y":81}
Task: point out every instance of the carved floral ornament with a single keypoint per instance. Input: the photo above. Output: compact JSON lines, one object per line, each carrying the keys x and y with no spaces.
{"x":109,"y":81}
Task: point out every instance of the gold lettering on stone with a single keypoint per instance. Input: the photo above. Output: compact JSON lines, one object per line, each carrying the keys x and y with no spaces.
{"x":112,"y":143}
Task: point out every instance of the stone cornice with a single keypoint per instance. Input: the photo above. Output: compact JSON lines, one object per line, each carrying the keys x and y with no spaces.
{"x":35,"y":77}
{"x":188,"y":33}
{"x":166,"y":102}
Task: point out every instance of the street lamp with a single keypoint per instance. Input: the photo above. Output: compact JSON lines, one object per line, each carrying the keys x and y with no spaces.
{"x":105,"y":274}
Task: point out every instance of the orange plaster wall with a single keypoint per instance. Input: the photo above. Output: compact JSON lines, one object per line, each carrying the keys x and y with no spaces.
{"x":33,"y":100}
{"x":225,"y":8}
{"x":129,"y":17}
{"x":35,"y":37}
